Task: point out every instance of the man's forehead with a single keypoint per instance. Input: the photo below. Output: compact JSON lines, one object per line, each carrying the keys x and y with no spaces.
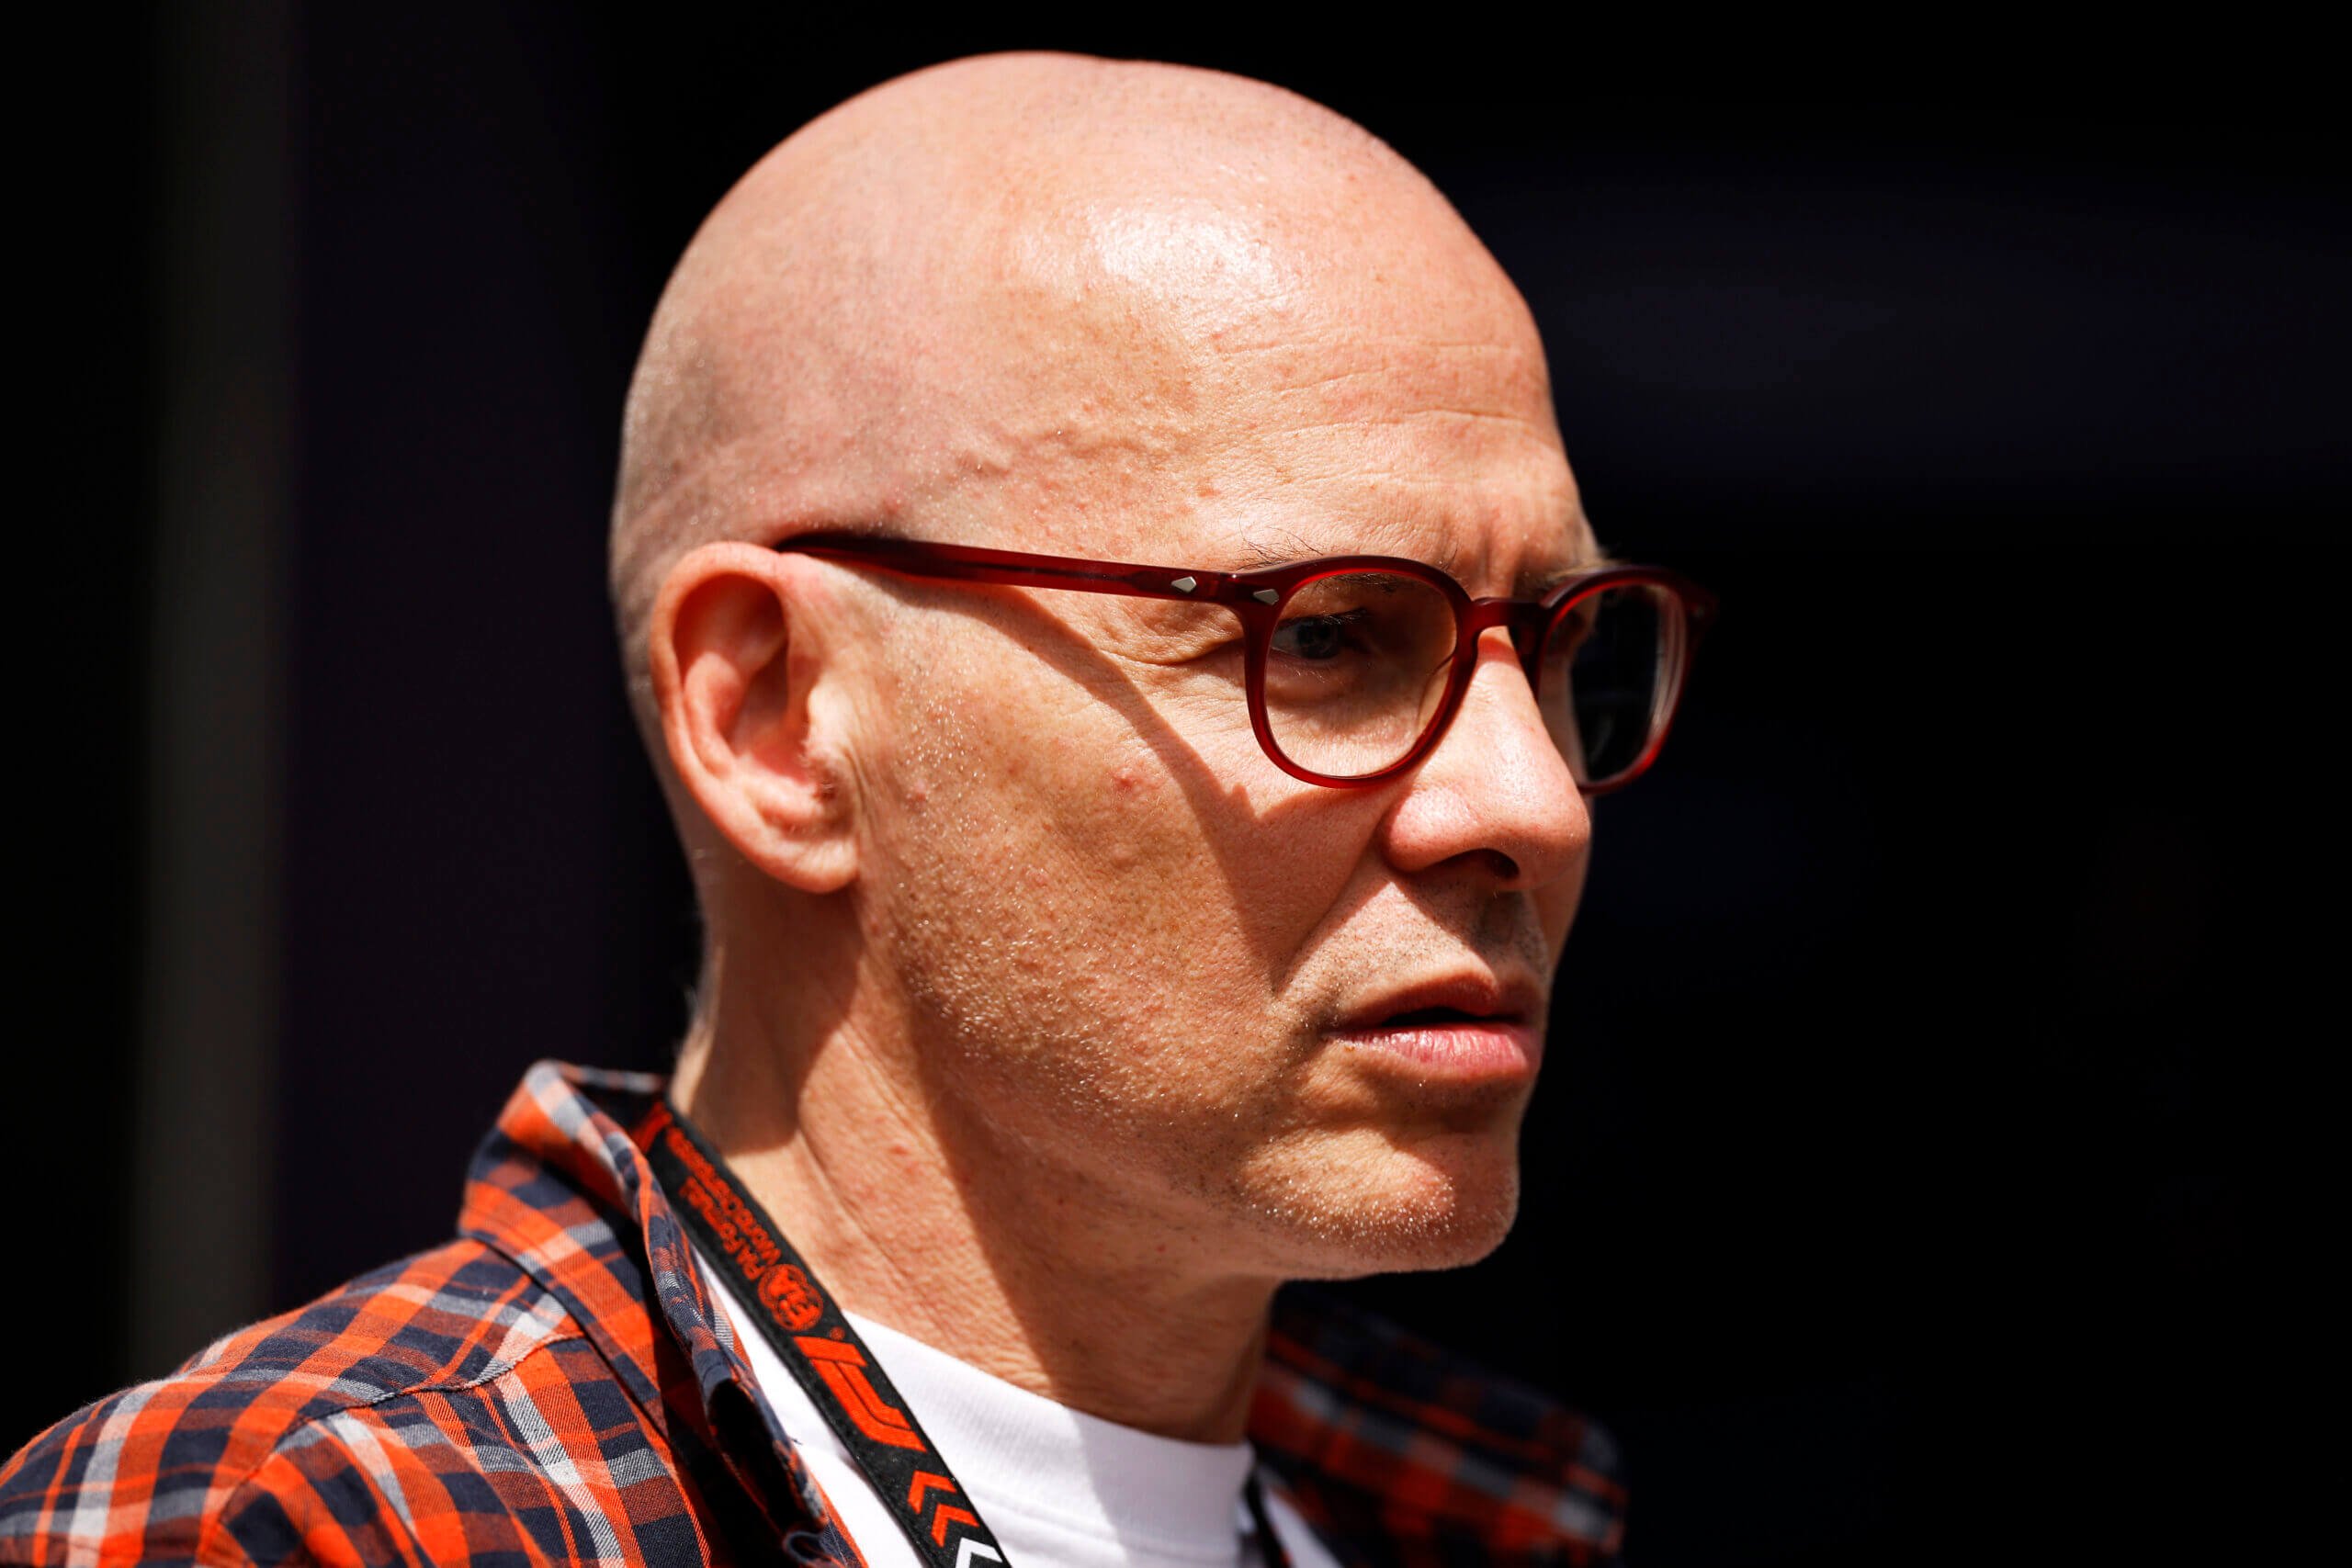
{"x":1233,"y":492}
{"x":1487,"y":548}
{"x":1435,"y":445}
{"x":1530,"y":560}
{"x":1383,"y":444}
{"x":1194,"y":373}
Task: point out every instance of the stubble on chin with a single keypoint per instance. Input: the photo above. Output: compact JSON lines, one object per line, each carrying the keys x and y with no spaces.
{"x":1338,"y":1204}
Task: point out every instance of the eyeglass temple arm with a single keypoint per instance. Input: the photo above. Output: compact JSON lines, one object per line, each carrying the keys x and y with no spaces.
{"x":1015,"y":569}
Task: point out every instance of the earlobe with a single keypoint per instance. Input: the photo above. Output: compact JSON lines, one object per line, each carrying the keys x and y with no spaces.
{"x":735,"y":655}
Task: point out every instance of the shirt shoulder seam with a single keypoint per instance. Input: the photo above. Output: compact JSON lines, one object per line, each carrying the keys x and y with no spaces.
{"x":214,"y":1528}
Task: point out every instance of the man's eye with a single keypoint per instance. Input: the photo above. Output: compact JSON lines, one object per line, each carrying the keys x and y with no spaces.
{"x":1316,"y":638}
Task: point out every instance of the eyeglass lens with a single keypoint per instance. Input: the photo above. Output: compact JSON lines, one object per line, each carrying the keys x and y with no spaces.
{"x":1359,"y":663}
{"x":1605,"y":677}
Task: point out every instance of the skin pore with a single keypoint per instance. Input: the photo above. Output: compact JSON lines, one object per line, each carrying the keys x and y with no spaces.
{"x":1055,"y":1022}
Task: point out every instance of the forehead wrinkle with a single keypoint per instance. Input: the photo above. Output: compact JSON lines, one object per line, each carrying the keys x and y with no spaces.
{"x":1442,"y":407}
{"x":1513,"y":417}
{"x":1330,"y":356}
{"x":1367,"y":342}
{"x":1364,"y":481}
{"x":1428,"y":539}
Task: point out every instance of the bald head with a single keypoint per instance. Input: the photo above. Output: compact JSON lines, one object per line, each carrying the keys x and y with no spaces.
{"x":931,"y":306}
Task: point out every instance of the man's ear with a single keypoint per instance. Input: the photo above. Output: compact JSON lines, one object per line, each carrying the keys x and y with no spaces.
{"x":734,"y":654}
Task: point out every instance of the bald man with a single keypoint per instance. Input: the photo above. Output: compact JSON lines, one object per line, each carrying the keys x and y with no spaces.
{"x":1106,"y":598}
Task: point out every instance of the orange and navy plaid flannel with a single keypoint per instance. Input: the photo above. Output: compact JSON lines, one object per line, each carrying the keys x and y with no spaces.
{"x":555,"y":1387}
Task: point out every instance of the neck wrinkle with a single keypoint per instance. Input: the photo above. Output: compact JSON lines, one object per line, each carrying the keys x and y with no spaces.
{"x":1028,"y":1286}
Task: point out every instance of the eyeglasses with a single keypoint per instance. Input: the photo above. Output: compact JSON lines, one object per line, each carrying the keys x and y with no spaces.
{"x":1355,"y":665}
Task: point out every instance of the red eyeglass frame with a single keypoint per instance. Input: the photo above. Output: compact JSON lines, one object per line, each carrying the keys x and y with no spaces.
{"x":1257,"y":597}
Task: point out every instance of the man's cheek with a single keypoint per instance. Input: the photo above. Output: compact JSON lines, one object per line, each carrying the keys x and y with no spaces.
{"x":1304,"y":870}
{"x":1123,"y":831}
{"x":1127,"y":824}
{"x":1281,"y":901}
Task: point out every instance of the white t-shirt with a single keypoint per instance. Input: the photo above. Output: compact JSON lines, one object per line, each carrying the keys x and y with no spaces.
{"x":1058,"y":1488}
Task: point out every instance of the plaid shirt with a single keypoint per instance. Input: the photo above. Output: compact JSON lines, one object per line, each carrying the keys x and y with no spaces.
{"x":556,"y":1387}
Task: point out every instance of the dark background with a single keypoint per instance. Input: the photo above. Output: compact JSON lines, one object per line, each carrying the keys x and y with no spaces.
{"x":1902,"y":1185}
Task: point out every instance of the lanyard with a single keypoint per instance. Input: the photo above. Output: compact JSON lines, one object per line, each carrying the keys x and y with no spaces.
{"x":814,"y":1339}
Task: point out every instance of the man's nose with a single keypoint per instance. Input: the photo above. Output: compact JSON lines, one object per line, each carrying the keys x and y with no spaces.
{"x":1496,"y":785}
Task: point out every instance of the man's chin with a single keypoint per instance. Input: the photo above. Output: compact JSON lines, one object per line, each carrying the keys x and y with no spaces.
{"x":1443,"y":1202}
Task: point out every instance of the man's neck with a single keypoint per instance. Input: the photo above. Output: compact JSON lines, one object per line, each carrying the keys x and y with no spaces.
{"x":1007,"y":1269}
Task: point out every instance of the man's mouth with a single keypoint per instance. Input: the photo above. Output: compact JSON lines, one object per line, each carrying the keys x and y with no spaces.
{"x":1437,"y":1016}
{"x":1468,"y":1030}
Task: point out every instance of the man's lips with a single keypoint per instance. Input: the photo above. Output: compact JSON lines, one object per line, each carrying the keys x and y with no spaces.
{"x":1468,"y":1029}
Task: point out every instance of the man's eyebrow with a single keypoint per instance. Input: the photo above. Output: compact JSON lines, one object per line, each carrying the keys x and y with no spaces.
{"x":1535,"y":584}
{"x":1532,"y":582}
{"x":1285,"y":549}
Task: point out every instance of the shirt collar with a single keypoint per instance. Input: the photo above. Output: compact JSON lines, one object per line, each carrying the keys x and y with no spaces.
{"x":1370,"y":1430}
{"x":559,"y":1187}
